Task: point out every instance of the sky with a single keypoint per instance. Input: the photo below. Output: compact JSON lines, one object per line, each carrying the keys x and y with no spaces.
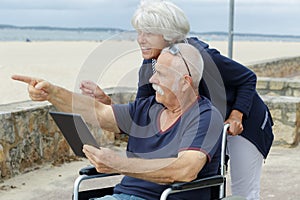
{"x":280,"y":17}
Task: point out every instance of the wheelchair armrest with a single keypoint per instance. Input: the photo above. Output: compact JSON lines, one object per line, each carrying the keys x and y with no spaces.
{"x":91,"y":170}
{"x":200,"y":183}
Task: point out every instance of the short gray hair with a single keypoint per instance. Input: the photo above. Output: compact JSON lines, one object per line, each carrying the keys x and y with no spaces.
{"x":161,"y":17}
{"x":190,"y":56}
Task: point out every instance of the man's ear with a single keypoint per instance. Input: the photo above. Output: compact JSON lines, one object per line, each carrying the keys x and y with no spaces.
{"x":188,"y":82}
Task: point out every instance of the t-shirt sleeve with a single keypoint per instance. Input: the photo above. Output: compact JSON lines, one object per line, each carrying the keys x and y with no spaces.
{"x":123,"y":116}
{"x":204,"y":133}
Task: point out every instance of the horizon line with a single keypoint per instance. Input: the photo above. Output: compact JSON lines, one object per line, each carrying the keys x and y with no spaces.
{"x":45,"y":27}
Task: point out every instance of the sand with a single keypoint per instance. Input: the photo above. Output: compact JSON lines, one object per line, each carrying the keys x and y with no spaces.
{"x":109,"y":63}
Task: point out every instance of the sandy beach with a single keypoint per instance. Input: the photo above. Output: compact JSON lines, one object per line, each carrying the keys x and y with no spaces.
{"x":109,"y":63}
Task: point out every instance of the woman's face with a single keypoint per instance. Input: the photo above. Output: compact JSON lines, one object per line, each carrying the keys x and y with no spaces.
{"x":151,"y":44}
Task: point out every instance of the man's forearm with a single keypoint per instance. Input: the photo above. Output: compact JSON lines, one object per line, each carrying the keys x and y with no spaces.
{"x":164,"y":171}
{"x":67,"y":101}
{"x":92,"y":111}
{"x":159,"y":171}
{"x":61,"y":99}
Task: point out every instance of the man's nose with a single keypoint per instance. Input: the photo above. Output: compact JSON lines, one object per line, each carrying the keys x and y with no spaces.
{"x":153,"y":79}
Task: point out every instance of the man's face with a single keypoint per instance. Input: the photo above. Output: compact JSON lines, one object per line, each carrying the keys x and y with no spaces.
{"x":151,"y":44}
{"x":167,"y":81}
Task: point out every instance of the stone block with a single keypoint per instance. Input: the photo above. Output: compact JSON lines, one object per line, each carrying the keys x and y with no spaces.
{"x":276,"y":85}
{"x":283,"y":133}
{"x":286,"y":116}
{"x":263,"y":83}
{"x":296,"y":93}
{"x":2,"y":155}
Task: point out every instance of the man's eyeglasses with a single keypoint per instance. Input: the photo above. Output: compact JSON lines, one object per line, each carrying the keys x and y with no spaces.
{"x":174,"y":50}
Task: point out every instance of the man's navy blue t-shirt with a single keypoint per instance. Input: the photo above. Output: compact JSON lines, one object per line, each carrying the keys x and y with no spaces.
{"x":199,"y":128}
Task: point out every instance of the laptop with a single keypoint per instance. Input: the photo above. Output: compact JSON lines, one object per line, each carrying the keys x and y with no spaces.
{"x":75,"y":131}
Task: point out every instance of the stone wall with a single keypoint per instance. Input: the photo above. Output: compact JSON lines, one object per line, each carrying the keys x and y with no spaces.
{"x":29,"y":137}
{"x":285,"y":112}
{"x":279,"y":85}
{"x":288,"y":67}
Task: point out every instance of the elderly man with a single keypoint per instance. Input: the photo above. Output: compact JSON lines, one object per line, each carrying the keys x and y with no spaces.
{"x":174,"y":136}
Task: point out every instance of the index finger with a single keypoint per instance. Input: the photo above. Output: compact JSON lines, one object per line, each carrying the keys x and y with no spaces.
{"x":25,"y":79}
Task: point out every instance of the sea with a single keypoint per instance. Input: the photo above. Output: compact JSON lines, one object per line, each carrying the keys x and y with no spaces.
{"x":44,"y":33}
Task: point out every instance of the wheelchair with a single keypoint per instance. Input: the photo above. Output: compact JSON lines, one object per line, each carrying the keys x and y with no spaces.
{"x":216,"y":182}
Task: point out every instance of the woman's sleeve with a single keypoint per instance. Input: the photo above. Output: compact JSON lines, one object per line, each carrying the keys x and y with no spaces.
{"x":239,"y":81}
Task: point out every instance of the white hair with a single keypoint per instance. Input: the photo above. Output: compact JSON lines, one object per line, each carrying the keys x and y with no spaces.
{"x":161,"y":17}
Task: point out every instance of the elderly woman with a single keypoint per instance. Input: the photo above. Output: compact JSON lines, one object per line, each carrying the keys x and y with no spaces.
{"x":229,"y":85}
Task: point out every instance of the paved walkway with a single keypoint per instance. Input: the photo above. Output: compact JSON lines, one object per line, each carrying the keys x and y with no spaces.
{"x":280,"y":179}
